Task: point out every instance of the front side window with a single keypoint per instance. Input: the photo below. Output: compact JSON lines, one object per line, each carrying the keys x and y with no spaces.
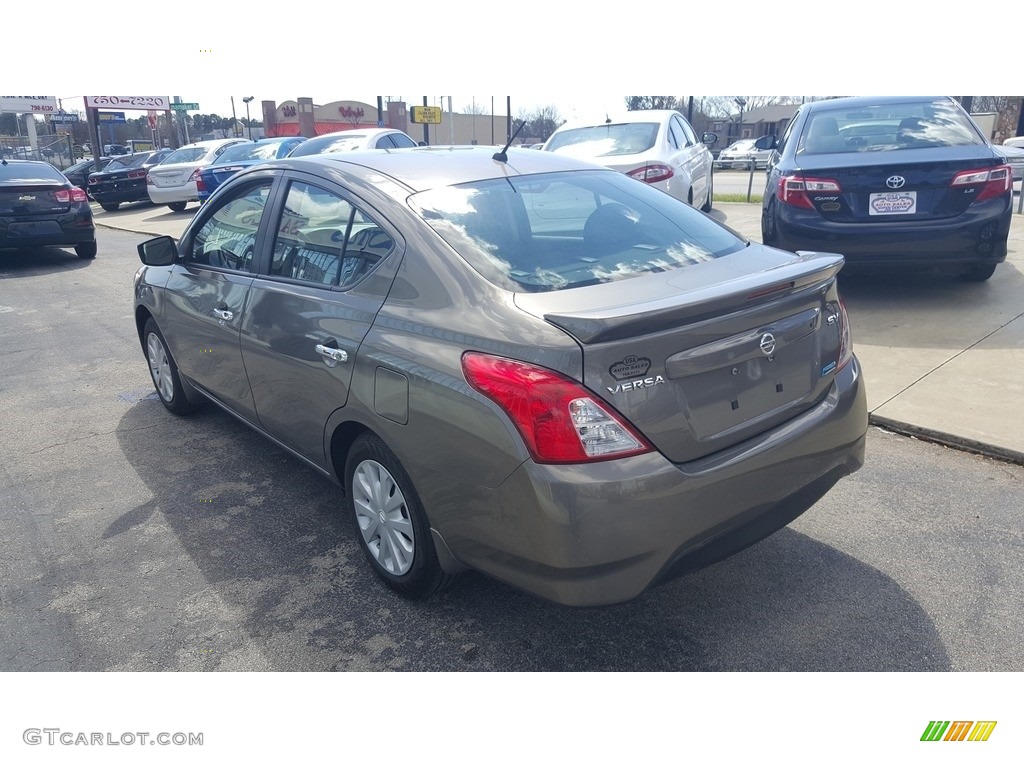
{"x":322,"y":238}
{"x":565,"y":230}
{"x":227,"y":240}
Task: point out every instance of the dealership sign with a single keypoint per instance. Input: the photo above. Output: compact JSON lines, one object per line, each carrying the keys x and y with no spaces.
{"x":43,"y":104}
{"x":128,"y":102}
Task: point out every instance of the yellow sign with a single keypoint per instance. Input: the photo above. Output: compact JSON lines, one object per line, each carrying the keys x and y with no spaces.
{"x":426,"y":115}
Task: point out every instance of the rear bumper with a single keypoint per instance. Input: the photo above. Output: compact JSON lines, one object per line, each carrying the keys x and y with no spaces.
{"x":978,"y":236}
{"x":599,"y":534}
{"x":124,"y":195}
{"x":163,"y":195}
{"x":74,"y":230}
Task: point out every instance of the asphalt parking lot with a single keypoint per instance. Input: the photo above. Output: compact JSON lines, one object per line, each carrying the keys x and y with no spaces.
{"x":139,"y":541}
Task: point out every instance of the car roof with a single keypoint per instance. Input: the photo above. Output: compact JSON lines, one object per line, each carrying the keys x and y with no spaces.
{"x":628,"y":116}
{"x":868,"y":101}
{"x":420,"y":168}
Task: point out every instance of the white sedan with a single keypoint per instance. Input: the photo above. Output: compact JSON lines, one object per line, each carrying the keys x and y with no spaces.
{"x":173,"y":182}
{"x":740,"y":153}
{"x":656,"y":146}
{"x":354,"y":139}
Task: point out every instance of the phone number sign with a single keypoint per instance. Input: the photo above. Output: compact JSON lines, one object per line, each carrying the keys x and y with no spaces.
{"x":128,"y":102}
{"x":44,"y":104}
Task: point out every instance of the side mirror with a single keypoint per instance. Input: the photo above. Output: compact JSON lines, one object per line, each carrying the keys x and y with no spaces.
{"x":158,"y":252}
{"x":767,"y":142}
{"x":709,"y":139}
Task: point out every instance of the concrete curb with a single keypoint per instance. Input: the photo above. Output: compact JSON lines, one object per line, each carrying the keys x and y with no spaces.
{"x":944,"y":438}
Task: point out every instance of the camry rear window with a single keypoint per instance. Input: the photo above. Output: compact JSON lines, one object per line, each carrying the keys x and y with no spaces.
{"x":565,"y":230}
{"x":907,"y":125}
{"x":605,"y":140}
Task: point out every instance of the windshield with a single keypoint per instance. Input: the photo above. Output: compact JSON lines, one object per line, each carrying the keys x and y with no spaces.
{"x":605,"y":140}
{"x":906,"y":125}
{"x":565,"y":230}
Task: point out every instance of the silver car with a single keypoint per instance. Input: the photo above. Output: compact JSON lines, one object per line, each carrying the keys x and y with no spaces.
{"x":656,"y":146}
{"x":517,"y":363}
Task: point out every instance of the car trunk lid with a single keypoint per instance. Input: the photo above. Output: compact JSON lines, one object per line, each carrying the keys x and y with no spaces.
{"x":905,"y":185}
{"x":32,"y":199}
{"x":702,"y":358}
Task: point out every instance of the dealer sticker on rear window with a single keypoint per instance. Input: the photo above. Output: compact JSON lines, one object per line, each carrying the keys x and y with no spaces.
{"x":889,"y":203}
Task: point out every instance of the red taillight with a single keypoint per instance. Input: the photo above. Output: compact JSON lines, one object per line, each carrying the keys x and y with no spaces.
{"x":149,"y":180}
{"x":561,"y":421}
{"x":991,"y":182}
{"x":195,"y":175}
{"x":137,"y":174}
{"x":651,"y":173}
{"x":793,"y":190}
{"x":845,"y":337}
{"x":200,"y":184}
{"x":73,"y":195}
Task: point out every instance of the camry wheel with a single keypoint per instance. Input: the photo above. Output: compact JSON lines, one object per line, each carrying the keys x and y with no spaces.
{"x":393,"y":530}
{"x":164,"y":371}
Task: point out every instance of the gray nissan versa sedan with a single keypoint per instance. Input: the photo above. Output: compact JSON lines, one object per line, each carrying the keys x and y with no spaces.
{"x":518,"y":363}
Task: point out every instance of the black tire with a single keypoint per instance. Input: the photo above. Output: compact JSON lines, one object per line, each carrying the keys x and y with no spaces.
{"x":979,"y":273}
{"x":110,"y":206}
{"x":391,"y":526}
{"x":86,"y":250}
{"x":177,"y":206}
{"x":768,"y":224}
{"x":164,"y":371}
{"x":711,"y":193}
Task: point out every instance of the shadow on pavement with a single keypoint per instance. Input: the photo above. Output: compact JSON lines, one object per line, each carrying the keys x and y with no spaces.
{"x":40,"y":261}
{"x":283,"y":580}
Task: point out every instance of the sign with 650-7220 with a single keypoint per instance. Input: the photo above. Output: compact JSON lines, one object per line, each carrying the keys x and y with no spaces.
{"x":127,"y":102}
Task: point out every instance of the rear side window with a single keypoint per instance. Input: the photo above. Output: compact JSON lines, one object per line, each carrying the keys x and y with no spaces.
{"x":905,"y":125}
{"x":565,"y":230}
{"x":323,"y":239}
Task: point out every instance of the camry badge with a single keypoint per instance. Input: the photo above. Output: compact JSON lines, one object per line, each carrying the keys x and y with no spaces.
{"x":895,"y":182}
{"x":768,"y":345}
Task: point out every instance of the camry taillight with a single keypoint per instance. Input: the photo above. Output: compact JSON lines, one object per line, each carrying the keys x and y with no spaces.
{"x":651,"y":173}
{"x":561,"y":421}
{"x":793,"y":190}
{"x":73,"y":195}
{"x":991,"y":182}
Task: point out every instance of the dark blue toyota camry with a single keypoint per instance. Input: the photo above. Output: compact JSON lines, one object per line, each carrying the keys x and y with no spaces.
{"x":905,"y":183}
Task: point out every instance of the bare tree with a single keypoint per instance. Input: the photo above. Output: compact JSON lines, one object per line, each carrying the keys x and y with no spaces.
{"x":540,"y":122}
{"x":651,"y":102}
{"x":475,"y":108}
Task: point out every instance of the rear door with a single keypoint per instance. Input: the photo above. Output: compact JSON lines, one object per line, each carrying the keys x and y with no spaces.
{"x":330,"y":266}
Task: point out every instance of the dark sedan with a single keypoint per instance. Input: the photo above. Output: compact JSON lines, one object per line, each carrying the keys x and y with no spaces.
{"x":39,"y":206}
{"x":124,"y":179}
{"x":78,"y":174}
{"x":890,"y":182}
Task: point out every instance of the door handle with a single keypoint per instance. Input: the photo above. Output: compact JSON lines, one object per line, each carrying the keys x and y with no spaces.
{"x":224,"y":314}
{"x":332,"y":355}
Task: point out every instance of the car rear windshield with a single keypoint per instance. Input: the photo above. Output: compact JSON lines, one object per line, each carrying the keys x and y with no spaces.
{"x":555,"y":231}
{"x":605,"y":140}
{"x":30,"y":173}
{"x":240,"y":152}
{"x":131,"y":161}
{"x":905,"y":125}
{"x":186,"y":155}
{"x":326,"y":144}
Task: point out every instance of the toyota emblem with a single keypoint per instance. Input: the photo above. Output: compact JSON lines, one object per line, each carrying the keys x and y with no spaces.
{"x":895,"y":182}
{"x":768,"y":344}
